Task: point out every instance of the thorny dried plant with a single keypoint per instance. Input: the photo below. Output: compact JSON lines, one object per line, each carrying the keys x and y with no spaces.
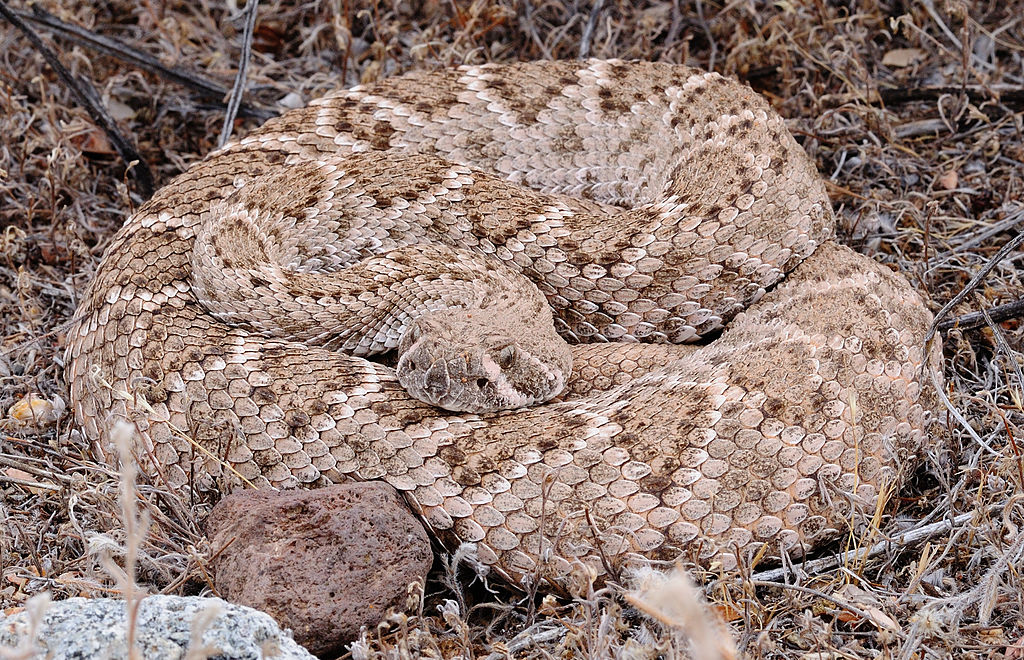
{"x":913,"y":113}
{"x":135,"y":525}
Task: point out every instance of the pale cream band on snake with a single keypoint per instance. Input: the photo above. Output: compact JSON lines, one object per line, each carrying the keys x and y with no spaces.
{"x":648,"y":202}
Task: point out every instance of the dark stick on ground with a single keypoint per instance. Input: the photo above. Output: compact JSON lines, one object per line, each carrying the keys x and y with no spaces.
{"x":85,"y":92}
{"x":898,"y":95}
{"x":977,"y":319}
{"x":973,"y":284}
{"x":114,"y":48}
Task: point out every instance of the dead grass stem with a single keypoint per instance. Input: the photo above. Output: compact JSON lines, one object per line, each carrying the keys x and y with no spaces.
{"x":911,"y":110}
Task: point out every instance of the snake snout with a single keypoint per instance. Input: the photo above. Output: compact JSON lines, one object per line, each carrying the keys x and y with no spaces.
{"x":467,"y":361}
{"x":437,"y":383}
{"x":424,"y":371}
{"x":451,"y":372}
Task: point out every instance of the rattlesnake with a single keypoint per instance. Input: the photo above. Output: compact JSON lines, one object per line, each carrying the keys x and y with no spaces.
{"x":647,"y":201}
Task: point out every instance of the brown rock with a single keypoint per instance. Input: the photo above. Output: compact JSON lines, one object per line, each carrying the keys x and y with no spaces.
{"x":322,"y":562}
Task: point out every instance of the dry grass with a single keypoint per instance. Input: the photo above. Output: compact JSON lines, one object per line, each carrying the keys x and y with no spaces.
{"x":930,"y":182}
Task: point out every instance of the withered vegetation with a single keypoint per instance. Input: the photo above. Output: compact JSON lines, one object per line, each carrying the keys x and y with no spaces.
{"x":913,"y":113}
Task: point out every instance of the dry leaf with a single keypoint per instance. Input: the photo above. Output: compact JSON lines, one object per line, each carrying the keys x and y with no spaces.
{"x":21,"y":475}
{"x":728,"y":611}
{"x":15,"y":473}
{"x":120,"y":111}
{"x":53,"y":254}
{"x":93,"y":142}
{"x":867,"y":603}
{"x":948,"y":180}
{"x":901,"y":57}
{"x":22,"y":580}
{"x":1015,"y":651}
{"x":34,"y":411}
{"x":269,"y":37}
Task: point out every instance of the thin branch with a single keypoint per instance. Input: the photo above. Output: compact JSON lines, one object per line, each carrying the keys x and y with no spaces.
{"x":28,"y":483}
{"x":973,"y":284}
{"x":1009,"y":222}
{"x":529,"y":638}
{"x":85,"y":92}
{"x":713,"y":46}
{"x":909,"y":537}
{"x":819,"y":594}
{"x":1012,"y":95}
{"x":1008,"y":353}
{"x":120,"y":51}
{"x":997,"y":314}
{"x":675,"y":27}
{"x":526,"y":24}
{"x":238,"y":89}
{"x":1007,"y":95}
{"x":588,"y":31}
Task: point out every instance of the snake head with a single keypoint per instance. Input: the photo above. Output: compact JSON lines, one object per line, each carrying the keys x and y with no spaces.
{"x":456,"y":361}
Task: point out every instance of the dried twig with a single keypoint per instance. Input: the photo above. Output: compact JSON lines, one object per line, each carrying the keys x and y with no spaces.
{"x":531,"y":637}
{"x":1007,"y":95}
{"x":996,"y":314}
{"x":1008,"y":353}
{"x":139,"y":59}
{"x":27,"y":483}
{"x":818,"y":594}
{"x":973,"y":284}
{"x":238,"y":89}
{"x":85,"y":92}
{"x":1011,"y":220}
{"x":588,"y":31}
{"x":902,"y":540}
{"x":712,"y":46}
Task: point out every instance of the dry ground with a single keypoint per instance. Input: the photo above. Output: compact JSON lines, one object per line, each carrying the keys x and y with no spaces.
{"x":913,"y":112}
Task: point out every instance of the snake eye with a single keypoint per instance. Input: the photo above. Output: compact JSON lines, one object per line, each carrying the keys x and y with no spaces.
{"x":506,"y":356}
{"x":482,"y":383}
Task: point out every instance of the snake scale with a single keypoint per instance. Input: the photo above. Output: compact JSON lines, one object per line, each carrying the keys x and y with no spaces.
{"x":650,"y":204}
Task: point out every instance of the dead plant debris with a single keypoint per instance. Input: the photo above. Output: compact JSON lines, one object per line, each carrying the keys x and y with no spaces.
{"x":913,"y":112}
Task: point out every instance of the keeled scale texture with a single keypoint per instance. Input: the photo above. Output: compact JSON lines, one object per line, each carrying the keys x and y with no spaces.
{"x":782,"y":430}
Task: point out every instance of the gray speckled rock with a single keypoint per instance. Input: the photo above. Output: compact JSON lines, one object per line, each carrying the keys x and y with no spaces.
{"x":82,"y":628}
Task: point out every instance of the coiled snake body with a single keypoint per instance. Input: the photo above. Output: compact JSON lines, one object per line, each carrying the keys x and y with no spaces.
{"x":645,"y":201}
